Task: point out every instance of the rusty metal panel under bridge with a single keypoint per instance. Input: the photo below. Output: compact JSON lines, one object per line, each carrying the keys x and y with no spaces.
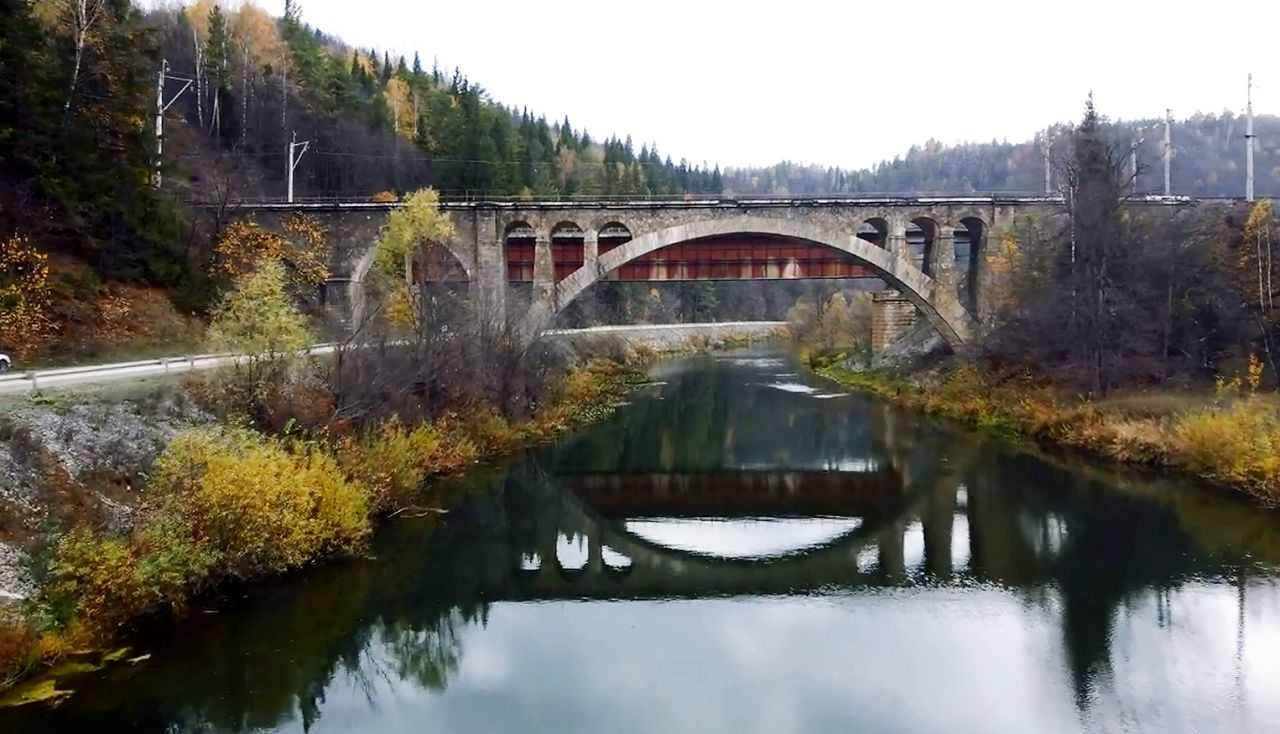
{"x":721,"y":259}
{"x":739,"y":493}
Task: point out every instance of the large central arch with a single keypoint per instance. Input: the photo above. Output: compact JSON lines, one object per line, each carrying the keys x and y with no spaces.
{"x":951,"y":320}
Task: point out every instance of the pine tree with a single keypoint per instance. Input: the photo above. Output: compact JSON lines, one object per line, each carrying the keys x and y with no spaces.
{"x":215,"y":54}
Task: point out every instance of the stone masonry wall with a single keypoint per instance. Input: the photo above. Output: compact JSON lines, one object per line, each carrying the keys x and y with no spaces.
{"x":892,"y":315}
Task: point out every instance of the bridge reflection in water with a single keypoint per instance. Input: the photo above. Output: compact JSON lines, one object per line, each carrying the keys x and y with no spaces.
{"x":787,"y":531}
{"x":868,"y":502}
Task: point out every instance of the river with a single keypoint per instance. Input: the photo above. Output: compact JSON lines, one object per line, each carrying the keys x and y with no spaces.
{"x":742,"y":549}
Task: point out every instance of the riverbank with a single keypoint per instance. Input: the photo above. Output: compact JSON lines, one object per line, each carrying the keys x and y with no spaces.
{"x":1228,"y":436}
{"x":191,"y":502}
{"x":229,"y":504}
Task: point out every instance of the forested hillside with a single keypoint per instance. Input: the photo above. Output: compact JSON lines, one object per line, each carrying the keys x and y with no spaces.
{"x":374,"y":122}
{"x":1208,"y":160}
{"x":97,"y":240}
{"x":77,"y":134}
{"x":94,"y":251}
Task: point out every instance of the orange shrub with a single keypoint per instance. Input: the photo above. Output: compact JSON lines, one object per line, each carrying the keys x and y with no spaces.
{"x":26,"y":323}
{"x":488,"y":430}
{"x":390,"y":462}
{"x":245,"y":246}
{"x":19,"y":649}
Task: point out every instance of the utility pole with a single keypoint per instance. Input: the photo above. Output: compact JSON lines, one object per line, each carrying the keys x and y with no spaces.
{"x":1133,"y":162}
{"x":293,"y":162}
{"x":1248,"y":144}
{"x":161,"y":107}
{"x":1168,"y":149}
{"x":164,"y":67}
{"x":1045,"y":147}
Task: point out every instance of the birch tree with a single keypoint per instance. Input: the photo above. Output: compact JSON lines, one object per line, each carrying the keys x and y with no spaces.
{"x":81,"y":17}
{"x":1256,"y":266}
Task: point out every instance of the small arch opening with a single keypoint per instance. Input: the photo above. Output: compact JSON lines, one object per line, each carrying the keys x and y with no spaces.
{"x":613,"y":235}
{"x":434,"y":263}
{"x":921,"y":237}
{"x":438,"y":281}
{"x":876,"y":231}
{"x":521,"y":242}
{"x":970,"y":243}
{"x":568,"y":249}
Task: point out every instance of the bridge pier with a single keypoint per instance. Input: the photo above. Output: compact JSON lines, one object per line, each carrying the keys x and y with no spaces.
{"x":943,"y":268}
{"x":892,"y":316}
{"x":542,"y":299}
{"x":591,"y":250}
{"x":942,"y":256}
{"x":490,"y":276}
{"x":890,"y":556}
{"x":595,"y":552}
{"x":896,"y":240}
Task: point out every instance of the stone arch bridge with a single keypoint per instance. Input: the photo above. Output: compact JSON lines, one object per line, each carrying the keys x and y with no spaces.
{"x":930,"y":250}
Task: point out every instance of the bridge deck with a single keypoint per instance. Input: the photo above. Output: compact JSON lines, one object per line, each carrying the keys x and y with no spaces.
{"x":705,"y":202}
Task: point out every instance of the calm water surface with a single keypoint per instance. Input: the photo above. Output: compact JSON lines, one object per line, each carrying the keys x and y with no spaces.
{"x":744,"y":550}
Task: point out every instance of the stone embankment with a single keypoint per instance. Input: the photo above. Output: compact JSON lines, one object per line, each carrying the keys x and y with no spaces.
{"x":670,"y":337}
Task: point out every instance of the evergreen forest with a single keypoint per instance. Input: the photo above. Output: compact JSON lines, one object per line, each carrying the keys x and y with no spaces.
{"x":89,"y":208}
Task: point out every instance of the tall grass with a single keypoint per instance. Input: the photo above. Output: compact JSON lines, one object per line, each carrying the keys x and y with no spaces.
{"x":1232,"y":439}
{"x":1235,"y":441}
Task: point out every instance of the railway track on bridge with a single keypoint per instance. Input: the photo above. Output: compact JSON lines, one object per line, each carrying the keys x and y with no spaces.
{"x":696,"y":202}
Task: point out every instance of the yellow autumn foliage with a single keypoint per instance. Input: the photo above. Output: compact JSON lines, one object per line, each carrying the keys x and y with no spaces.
{"x":1233,"y":440}
{"x":226,"y":502}
{"x":259,"y":319}
{"x":265,"y":507}
{"x":245,"y":246}
{"x":26,"y":324}
{"x":1255,"y":258}
{"x":403,"y":114}
{"x":112,"y":580}
{"x":408,"y":229}
{"x":1237,"y":440}
{"x":401,"y":308}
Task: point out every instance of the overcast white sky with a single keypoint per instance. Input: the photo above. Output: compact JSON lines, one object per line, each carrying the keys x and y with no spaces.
{"x":838,"y":82}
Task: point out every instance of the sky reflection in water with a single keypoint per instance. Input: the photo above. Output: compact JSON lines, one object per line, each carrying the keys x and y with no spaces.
{"x":925,"y":660}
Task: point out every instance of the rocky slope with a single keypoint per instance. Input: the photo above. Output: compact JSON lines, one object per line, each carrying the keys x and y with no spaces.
{"x":66,"y":459}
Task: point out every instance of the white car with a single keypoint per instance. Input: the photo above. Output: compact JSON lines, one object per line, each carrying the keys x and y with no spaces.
{"x":5,"y":363}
